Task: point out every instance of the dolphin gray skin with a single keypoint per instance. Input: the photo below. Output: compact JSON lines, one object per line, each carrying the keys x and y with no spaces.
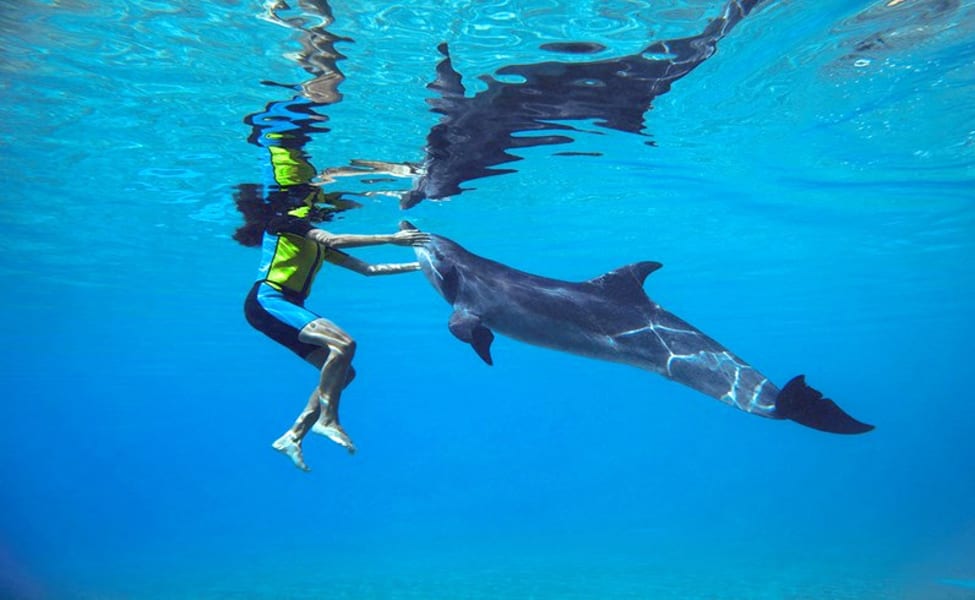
{"x":610,"y":318}
{"x":476,"y":132}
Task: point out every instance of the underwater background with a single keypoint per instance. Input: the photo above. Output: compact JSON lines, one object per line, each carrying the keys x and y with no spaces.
{"x":808,"y":187}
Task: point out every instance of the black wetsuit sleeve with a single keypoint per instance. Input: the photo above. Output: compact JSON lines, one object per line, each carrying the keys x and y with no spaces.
{"x":289,"y":224}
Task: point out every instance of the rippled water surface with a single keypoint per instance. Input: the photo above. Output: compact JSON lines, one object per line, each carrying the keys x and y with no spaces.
{"x":804,"y":171}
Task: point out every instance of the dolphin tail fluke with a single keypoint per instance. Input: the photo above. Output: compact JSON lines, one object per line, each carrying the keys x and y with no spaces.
{"x":807,"y":406}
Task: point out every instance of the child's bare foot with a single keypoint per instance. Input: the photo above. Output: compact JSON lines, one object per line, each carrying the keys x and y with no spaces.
{"x":290,"y":447}
{"x":333,"y":431}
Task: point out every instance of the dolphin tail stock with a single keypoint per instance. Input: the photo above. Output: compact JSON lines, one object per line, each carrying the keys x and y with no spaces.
{"x":805,"y":405}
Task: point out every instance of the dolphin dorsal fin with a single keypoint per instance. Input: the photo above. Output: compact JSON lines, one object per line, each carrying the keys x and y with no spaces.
{"x":448,"y":81}
{"x":626,"y":282}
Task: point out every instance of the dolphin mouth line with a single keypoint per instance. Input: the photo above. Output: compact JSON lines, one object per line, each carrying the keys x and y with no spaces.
{"x":425,"y":255}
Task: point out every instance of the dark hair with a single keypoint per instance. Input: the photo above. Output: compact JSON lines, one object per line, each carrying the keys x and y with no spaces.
{"x":258,"y":206}
{"x":249,"y":199}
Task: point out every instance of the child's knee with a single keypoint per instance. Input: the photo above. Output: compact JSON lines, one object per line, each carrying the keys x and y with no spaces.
{"x":345,"y":349}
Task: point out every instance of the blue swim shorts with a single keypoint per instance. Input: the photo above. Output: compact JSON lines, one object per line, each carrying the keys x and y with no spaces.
{"x":278,"y":317}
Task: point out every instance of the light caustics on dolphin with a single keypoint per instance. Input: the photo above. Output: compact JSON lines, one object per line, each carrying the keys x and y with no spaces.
{"x":610,"y":318}
{"x":537,"y":103}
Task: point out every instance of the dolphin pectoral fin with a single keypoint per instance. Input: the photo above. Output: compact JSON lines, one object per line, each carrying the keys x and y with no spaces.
{"x":482,"y":343}
{"x":467,"y":327}
{"x":807,"y":406}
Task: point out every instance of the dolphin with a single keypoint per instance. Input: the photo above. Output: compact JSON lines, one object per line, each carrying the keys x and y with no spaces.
{"x":610,"y":318}
{"x":476,"y":132}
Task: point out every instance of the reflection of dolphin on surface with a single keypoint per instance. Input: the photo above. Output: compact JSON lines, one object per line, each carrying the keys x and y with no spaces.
{"x":610,"y":318}
{"x":475,"y":133}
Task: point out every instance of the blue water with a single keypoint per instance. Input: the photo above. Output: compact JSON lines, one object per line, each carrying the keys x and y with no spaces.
{"x":809,"y":189}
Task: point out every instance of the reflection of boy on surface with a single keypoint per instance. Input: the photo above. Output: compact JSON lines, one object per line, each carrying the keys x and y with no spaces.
{"x":293,"y":252}
{"x":280,"y":216}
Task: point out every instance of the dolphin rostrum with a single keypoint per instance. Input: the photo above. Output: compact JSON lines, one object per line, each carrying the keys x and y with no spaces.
{"x":610,"y":318}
